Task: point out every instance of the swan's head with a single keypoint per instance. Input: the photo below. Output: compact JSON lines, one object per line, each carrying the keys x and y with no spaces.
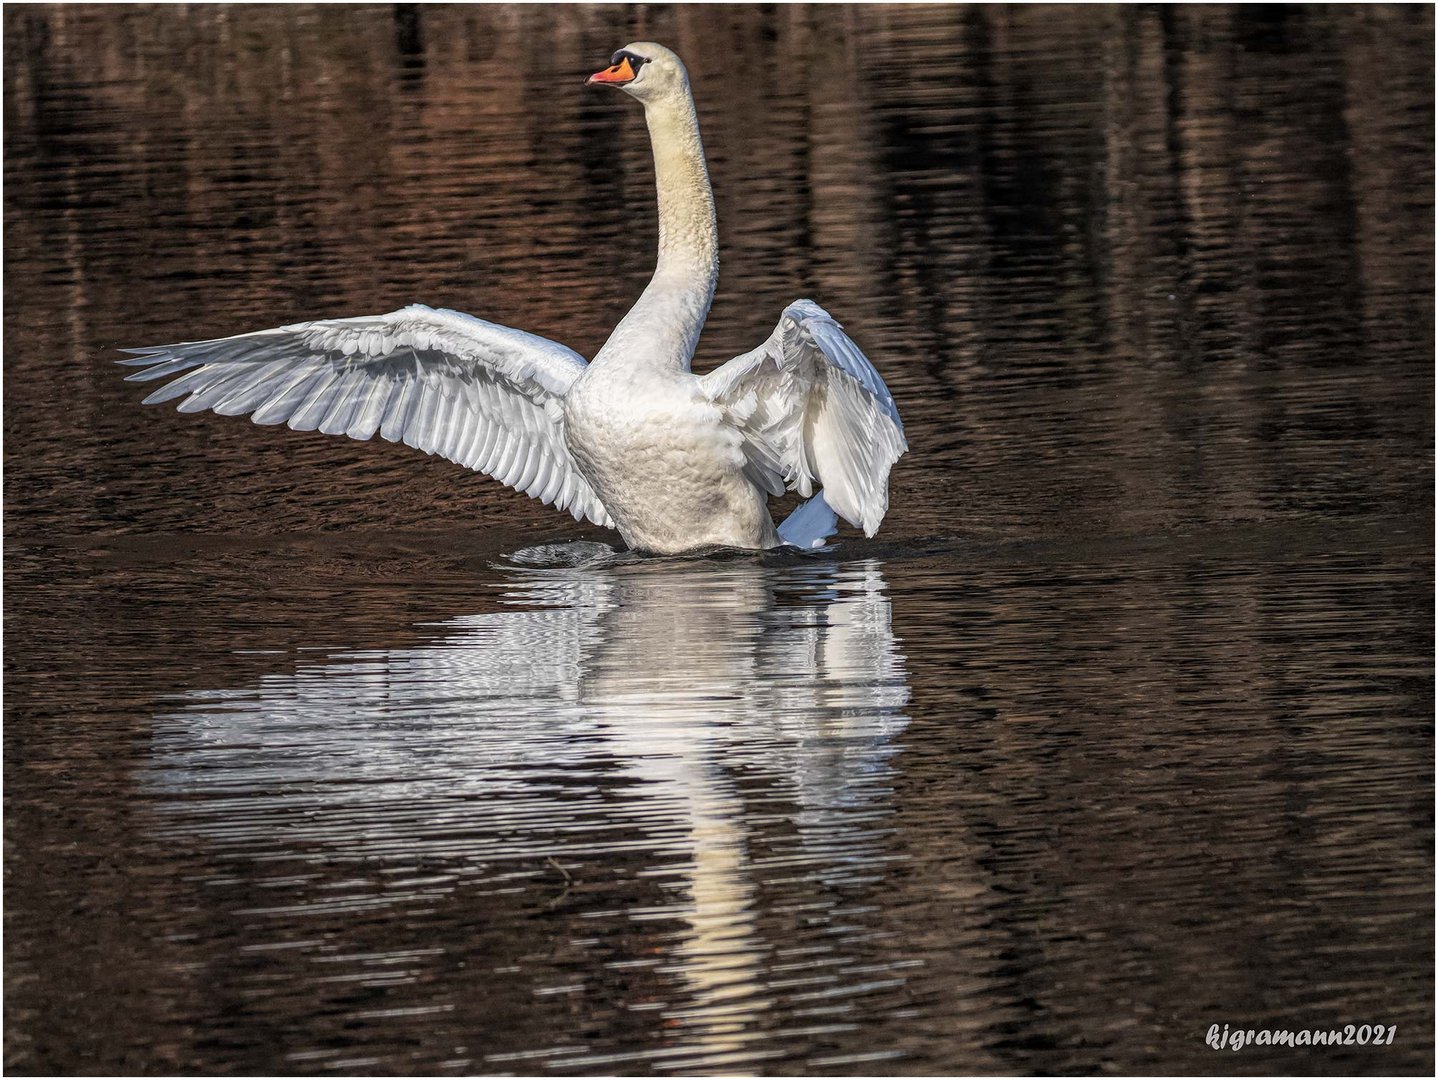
{"x":644,"y":70}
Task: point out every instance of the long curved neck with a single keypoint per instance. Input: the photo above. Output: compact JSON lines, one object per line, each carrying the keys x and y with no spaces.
{"x":688,"y":234}
{"x":663,"y":327}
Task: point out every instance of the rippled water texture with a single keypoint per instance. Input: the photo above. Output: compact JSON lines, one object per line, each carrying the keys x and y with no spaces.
{"x":1122,"y":726}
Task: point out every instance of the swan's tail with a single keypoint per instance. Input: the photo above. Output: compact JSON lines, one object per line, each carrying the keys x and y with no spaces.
{"x":810,"y":524}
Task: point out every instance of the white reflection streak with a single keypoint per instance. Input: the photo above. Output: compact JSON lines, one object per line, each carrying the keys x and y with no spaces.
{"x":789,"y":683}
{"x":683,"y":677}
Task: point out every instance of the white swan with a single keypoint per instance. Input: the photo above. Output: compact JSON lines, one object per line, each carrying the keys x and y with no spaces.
{"x":633,"y":440}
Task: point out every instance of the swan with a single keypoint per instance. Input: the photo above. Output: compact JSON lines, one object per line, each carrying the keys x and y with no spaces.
{"x":632,"y":440}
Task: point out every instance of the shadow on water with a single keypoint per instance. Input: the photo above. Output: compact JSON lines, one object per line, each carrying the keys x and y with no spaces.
{"x":654,"y":715}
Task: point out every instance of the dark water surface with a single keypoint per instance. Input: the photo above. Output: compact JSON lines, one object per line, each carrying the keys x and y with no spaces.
{"x":1122,"y":726}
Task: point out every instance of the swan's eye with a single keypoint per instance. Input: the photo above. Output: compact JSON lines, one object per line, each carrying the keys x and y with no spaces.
{"x":635,"y":60}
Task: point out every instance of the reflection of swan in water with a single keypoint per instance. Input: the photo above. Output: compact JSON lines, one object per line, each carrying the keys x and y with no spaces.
{"x":614,"y":711}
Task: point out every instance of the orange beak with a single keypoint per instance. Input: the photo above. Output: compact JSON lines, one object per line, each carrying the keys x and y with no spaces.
{"x":619,"y":73}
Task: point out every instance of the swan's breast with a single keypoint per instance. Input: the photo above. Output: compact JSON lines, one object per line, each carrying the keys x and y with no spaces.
{"x":664,"y":428}
{"x":664,"y":461}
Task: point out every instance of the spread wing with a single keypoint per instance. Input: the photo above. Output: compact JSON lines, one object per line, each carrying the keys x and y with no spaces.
{"x":484,"y":396}
{"x":812,"y":408}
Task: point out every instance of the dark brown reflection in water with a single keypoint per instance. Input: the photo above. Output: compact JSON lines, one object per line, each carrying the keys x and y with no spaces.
{"x":1123,"y":727}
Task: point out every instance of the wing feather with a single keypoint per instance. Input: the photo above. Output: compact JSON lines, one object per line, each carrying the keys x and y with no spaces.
{"x":811,"y":407}
{"x":370,"y":411}
{"x":482,"y":395}
{"x":312,"y":410}
{"x":397,"y":408}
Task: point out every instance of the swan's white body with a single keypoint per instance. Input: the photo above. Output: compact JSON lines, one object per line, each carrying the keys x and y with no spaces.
{"x":633,"y":440}
{"x":669,"y":464}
